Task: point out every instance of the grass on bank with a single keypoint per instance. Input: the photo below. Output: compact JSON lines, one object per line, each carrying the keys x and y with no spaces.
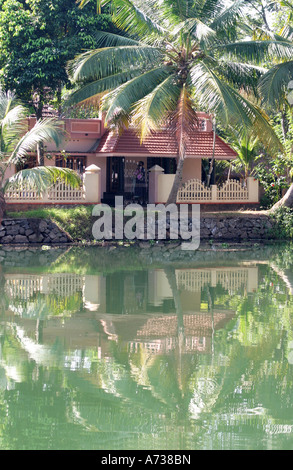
{"x":77,"y":221}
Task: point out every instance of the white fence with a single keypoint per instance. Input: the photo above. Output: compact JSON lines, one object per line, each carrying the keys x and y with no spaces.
{"x":88,"y":192}
{"x":194,"y":190}
{"x":57,"y":194}
{"x":230,"y":191}
{"x":233,"y":190}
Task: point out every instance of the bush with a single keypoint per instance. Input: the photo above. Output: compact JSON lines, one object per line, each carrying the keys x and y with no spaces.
{"x":283,"y":223}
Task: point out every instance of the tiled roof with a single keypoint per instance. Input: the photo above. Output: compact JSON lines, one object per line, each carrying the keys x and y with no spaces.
{"x":163,"y":144}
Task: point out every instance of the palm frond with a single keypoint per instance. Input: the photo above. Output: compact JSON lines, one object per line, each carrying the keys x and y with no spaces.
{"x":8,"y":101}
{"x":96,"y":88}
{"x":123,"y":98}
{"x":227,"y":16}
{"x":42,"y":178}
{"x":273,"y":85}
{"x":240,"y":75}
{"x":152,"y":111}
{"x":210,"y":9}
{"x":12,"y":126}
{"x":134,"y":16}
{"x":216,"y":96}
{"x":196,"y":27}
{"x":47,"y":130}
{"x":105,"y":39}
{"x":256,"y":51}
{"x":101,"y":63}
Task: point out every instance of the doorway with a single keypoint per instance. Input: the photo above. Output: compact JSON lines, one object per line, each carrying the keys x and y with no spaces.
{"x":115,"y":175}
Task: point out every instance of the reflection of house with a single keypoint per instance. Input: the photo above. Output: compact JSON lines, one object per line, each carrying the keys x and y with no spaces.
{"x":160,"y":335}
{"x":88,"y":143}
{"x":134,"y":292}
{"x":133,"y":308}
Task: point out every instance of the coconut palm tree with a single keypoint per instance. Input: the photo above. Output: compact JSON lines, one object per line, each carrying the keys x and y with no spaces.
{"x":15,"y":144}
{"x":182,"y":56}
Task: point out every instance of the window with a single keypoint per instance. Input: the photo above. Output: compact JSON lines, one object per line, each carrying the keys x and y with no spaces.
{"x":73,"y":162}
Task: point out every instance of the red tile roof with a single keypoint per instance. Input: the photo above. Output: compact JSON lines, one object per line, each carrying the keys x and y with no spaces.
{"x":163,"y":144}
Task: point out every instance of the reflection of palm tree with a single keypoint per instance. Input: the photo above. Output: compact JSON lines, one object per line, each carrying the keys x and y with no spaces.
{"x":211,"y":310}
{"x":171,"y":276}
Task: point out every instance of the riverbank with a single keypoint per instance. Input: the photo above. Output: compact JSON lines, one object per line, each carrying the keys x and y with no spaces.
{"x":74,"y":226}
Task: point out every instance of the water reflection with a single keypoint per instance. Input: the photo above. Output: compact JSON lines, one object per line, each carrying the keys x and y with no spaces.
{"x":172,"y":355}
{"x":139,"y":308}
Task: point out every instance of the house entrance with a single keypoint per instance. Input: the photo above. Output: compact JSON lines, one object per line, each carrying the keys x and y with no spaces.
{"x":115,"y":175}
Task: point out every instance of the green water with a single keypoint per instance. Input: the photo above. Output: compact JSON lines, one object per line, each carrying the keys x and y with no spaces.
{"x":133,"y":349}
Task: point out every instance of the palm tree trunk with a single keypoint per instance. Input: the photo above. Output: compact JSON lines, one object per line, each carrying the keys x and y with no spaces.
{"x":2,"y":205}
{"x":286,"y":201}
{"x":40,"y":145}
{"x":213,"y":158}
{"x":177,"y":183}
{"x":40,"y":154}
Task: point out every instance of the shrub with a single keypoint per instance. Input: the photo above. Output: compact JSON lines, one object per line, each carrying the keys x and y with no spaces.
{"x":283,"y":223}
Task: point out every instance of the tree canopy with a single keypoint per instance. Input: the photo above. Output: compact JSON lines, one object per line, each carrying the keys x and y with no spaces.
{"x":38,"y":38}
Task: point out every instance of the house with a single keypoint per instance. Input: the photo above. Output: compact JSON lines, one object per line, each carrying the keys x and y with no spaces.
{"x":88,"y":142}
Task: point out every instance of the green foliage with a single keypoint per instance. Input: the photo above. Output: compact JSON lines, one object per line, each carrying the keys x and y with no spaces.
{"x":274,"y":170}
{"x":246,"y":145}
{"x":38,"y":38}
{"x":273,"y":184}
{"x":283,"y":220}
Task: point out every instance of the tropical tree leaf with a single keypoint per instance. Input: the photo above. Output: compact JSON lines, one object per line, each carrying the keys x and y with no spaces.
{"x":95,"y":89}
{"x":134,"y":16}
{"x":42,"y":178}
{"x":196,"y":27}
{"x":230,"y":107}
{"x":44,"y":130}
{"x":125,"y":96}
{"x":240,"y":75}
{"x":101,"y":63}
{"x":256,"y":52}
{"x":151,"y":112}
{"x":273,"y":85}
{"x":227,"y":16}
{"x":106,"y":39}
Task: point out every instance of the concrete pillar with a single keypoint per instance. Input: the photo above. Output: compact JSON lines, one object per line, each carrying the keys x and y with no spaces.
{"x":214,"y":189}
{"x":92,"y":184}
{"x":154,"y":173}
{"x":92,"y":290}
{"x":253,"y":189}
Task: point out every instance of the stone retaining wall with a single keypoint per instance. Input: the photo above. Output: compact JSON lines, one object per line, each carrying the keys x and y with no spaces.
{"x":236,"y":228}
{"x":214,"y":227}
{"x":26,"y":231}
